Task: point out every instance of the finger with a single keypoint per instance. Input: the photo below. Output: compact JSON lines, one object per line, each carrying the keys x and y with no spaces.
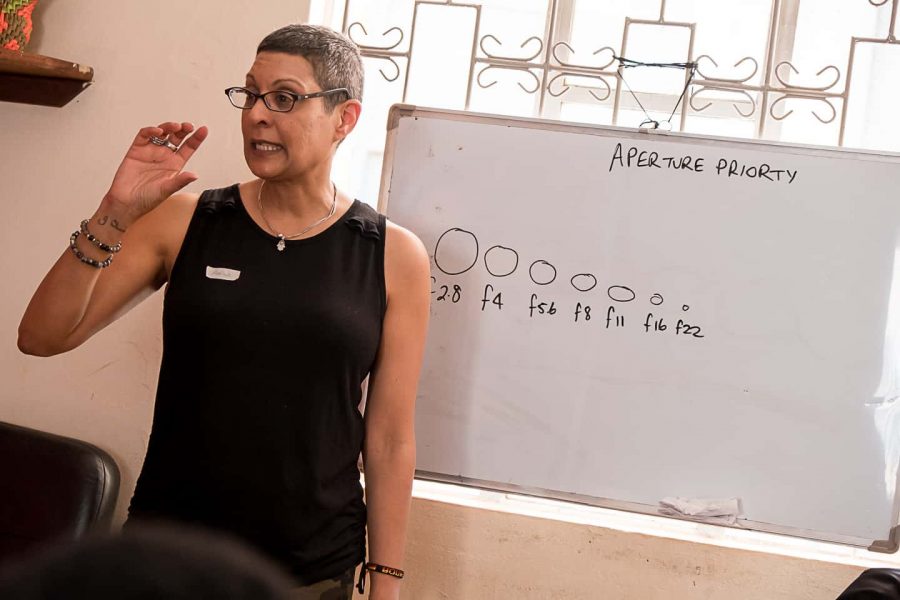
{"x":193,"y":142}
{"x":182,"y":132}
{"x":177,"y":182}
{"x":161,"y":131}
{"x":164,"y":130}
{"x":169,"y":127}
{"x":145,"y":133}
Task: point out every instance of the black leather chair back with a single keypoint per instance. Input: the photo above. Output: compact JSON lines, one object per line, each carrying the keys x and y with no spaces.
{"x":51,"y":488}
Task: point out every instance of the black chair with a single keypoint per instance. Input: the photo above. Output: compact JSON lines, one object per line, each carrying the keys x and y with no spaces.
{"x":52,"y":488}
{"x":874,"y":584}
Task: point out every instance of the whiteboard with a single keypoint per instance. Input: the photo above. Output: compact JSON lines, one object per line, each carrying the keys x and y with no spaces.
{"x":619,"y":317}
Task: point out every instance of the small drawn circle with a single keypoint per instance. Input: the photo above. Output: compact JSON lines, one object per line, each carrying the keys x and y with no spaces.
{"x":542,"y":272}
{"x":685,"y":308}
{"x":620,"y":293}
{"x":501,"y":261}
{"x":656,"y":299}
{"x":584,"y":282}
{"x":456,"y":251}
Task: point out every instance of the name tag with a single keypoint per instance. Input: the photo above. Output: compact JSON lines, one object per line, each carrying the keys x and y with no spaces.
{"x":222,"y":273}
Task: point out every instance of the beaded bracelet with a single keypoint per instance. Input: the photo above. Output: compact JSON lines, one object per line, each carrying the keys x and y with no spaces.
{"x":105,"y":247}
{"x":375,"y":568}
{"x":99,"y":264}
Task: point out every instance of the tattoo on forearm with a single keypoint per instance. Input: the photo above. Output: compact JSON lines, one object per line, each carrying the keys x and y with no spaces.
{"x":102,"y":220}
{"x":115,"y":225}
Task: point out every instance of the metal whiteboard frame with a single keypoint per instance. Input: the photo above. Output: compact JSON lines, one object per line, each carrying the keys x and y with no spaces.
{"x":404,"y":111}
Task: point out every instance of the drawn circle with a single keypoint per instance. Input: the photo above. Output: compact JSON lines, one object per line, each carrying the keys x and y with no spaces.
{"x":542,"y":272}
{"x":584,"y":282}
{"x":501,"y":261}
{"x":456,"y":251}
{"x":685,"y":308}
{"x":656,"y":299}
{"x":620,"y":293}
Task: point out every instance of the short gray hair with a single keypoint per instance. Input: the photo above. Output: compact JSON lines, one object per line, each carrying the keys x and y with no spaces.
{"x":334,"y":57}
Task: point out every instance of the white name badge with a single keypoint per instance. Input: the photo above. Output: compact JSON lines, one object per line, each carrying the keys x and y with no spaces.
{"x":222,"y":273}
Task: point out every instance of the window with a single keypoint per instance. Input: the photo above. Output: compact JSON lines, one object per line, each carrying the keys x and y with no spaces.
{"x":812,"y":73}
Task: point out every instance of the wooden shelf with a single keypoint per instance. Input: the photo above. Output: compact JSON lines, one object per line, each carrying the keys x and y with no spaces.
{"x":36,"y":79}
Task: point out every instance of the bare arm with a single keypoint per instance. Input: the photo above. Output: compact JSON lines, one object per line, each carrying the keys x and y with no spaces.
{"x":389,"y":453}
{"x":75,"y":300}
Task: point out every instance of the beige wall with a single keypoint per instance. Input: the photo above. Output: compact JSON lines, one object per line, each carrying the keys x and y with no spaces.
{"x":153,"y":62}
{"x":171,"y":59}
{"x":459,"y":552}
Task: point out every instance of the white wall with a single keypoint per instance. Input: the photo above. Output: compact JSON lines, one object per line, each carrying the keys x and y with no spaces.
{"x":170,"y":60}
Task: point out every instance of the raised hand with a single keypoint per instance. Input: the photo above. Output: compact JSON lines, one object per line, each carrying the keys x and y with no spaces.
{"x":150,"y":173}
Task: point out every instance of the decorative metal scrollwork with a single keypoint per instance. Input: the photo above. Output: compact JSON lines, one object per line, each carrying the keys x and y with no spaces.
{"x":736,"y":65}
{"x":735,"y":105}
{"x":556,"y":46}
{"x":366,"y":33}
{"x":565,"y":88}
{"x":483,"y":85}
{"x":808,"y":88}
{"x":826,"y":101}
{"x":383,"y":52}
{"x":393,"y":62}
{"x":549,"y":68}
{"x":537,"y":52}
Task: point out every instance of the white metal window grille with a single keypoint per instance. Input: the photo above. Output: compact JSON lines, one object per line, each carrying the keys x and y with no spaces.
{"x":821,"y":72}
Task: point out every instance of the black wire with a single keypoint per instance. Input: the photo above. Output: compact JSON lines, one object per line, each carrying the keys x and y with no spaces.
{"x":626,"y":63}
{"x":687,"y":84}
{"x":636,"y":99}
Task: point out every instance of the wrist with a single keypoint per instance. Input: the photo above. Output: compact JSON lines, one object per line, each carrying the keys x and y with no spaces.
{"x":89,"y":254}
{"x":384,"y":581}
{"x":110,"y":220}
{"x":111,"y":203}
{"x":384,"y":589}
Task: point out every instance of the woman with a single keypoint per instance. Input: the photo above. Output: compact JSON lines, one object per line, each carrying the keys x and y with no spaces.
{"x":282,"y":296}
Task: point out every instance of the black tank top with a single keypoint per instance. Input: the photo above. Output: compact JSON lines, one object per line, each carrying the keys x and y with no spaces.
{"x":256,"y":428}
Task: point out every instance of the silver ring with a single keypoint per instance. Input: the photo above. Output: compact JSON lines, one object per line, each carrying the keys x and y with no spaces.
{"x":163,"y":142}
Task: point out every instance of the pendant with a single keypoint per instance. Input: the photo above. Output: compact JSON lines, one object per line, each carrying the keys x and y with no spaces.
{"x":280,"y":244}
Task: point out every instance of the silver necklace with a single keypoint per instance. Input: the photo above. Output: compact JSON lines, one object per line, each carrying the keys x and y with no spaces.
{"x":281,"y":237}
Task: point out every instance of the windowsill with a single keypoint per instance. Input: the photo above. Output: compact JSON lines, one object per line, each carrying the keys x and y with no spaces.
{"x":688,"y":531}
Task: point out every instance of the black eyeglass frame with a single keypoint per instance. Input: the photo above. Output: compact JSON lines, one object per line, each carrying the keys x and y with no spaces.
{"x":294,"y":97}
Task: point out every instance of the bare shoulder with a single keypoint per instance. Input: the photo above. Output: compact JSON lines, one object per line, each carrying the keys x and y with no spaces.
{"x":165,"y":226}
{"x":177,"y":206}
{"x":406,"y":261}
{"x":170,"y":218}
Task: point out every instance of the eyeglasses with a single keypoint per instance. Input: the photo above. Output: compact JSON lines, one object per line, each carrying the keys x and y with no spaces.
{"x":278,"y":100}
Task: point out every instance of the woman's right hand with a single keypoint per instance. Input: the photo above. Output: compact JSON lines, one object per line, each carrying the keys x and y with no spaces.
{"x":74,"y":301}
{"x":150,"y":173}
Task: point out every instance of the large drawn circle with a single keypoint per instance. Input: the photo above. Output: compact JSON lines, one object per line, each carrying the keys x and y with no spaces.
{"x":656,"y":299}
{"x":501,"y":261}
{"x":583,"y":282}
{"x":620,"y":293}
{"x":542,"y":272}
{"x":456,"y":251}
